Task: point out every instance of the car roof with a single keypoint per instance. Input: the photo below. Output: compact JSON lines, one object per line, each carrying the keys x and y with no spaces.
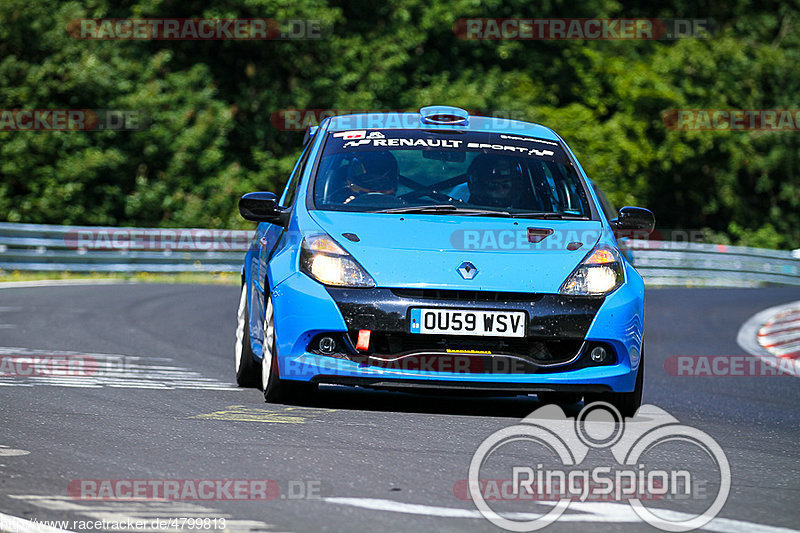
{"x":398,"y":121}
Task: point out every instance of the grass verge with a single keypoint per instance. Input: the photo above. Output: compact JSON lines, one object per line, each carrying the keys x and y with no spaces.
{"x":212,"y":278}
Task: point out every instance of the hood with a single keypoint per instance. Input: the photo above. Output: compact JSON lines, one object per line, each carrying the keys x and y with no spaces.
{"x":425,"y":251}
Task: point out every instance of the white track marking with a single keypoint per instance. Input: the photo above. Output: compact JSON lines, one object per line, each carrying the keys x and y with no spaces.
{"x":108,"y":370}
{"x":596,"y":512}
{"x":749,"y":340}
{"x":5,"y":451}
{"x":112,"y":511}
{"x":376,"y":504}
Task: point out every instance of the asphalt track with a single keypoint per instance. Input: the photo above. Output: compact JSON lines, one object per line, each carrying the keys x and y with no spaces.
{"x":373,"y":461}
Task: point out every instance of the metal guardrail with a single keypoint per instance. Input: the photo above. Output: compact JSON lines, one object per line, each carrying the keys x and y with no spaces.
{"x":665,"y":263}
{"x":38,"y":247}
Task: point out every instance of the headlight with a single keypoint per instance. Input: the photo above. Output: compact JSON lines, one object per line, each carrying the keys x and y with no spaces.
{"x":327,"y":262}
{"x":600,"y":273}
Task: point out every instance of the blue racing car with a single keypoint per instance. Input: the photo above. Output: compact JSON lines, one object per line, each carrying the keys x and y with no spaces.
{"x":439,"y":250}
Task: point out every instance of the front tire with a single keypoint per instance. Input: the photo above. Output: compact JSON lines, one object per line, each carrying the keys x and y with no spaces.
{"x":276,"y":389}
{"x":247,"y":371}
{"x":270,"y":380}
{"x":627,"y":403}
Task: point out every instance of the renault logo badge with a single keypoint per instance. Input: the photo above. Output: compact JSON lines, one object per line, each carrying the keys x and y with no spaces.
{"x":467,"y":270}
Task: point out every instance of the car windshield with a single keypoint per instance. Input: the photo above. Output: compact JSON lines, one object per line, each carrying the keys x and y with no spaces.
{"x":470,"y":173}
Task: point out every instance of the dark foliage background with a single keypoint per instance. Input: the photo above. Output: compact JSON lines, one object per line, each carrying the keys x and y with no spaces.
{"x":211,"y":138}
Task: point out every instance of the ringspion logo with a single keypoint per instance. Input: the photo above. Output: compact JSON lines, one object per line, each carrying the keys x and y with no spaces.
{"x":599,"y":426}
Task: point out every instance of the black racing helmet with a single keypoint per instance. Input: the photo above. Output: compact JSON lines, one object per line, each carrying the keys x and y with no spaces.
{"x":373,"y":172}
{"x":494,"y":179}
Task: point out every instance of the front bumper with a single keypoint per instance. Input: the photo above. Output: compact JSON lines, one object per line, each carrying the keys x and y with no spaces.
{"x":552,"y":357}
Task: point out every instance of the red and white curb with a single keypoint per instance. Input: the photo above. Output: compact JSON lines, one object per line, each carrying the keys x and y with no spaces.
{"x":774,"y":335}
{"x":781,"y":334}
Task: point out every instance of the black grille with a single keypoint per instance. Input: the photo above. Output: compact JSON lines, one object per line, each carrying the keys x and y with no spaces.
{"x":540,"y":352}
{"x":466,"y":296}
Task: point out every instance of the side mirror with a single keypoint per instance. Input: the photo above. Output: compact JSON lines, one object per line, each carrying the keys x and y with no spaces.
{"x":263,"y":207}
{"x":634,"y":218}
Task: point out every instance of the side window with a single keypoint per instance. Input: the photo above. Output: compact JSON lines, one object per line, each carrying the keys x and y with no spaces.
{"x":608,"y":208}
{"x":291,"y":188}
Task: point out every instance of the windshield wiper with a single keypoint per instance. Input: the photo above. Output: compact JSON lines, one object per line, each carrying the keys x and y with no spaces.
{"x":445,"y":209}
{"x":549,"y":216}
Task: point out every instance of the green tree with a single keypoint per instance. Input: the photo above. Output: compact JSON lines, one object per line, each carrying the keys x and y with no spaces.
{"x":210,"y":104}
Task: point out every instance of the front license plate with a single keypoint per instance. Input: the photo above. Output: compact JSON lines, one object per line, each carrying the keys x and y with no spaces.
{"x":468,"y":322}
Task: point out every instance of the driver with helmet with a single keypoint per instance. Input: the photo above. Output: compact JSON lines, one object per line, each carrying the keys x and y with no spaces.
{"x":371,"y":173}
{"x":495,"y":181}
